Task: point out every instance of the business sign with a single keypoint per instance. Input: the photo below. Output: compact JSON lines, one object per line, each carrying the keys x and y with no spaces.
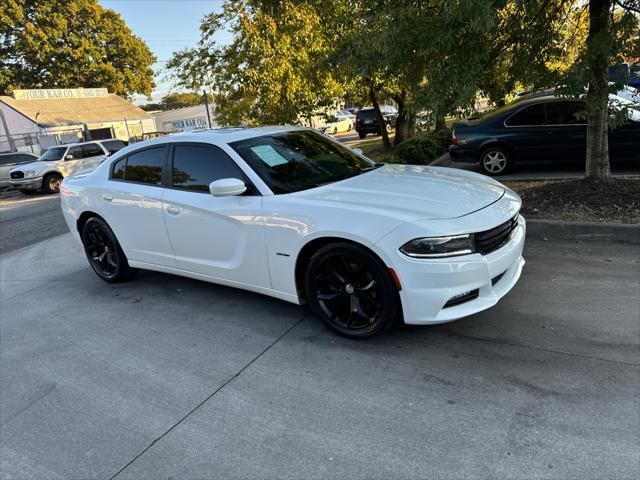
{"x":56,"y":93}
{"x":186,"y":125}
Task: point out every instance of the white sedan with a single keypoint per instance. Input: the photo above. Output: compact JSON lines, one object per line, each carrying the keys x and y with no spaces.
{"x":291,"y":213}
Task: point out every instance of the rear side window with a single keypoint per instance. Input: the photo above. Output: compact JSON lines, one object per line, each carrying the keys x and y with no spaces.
{"x":91,"y":150}
{"x":196,"y":166}
{"x":366,"y":114}
{"x":565,"y":113}
{"x":113,"y":146}
{"x":76,"y":152}
{"x":141,"y":167}
{"x":528,"y":116}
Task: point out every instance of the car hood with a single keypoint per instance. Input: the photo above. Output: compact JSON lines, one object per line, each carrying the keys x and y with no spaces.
{"x":412,"y":192}
{"x":34,"y":166}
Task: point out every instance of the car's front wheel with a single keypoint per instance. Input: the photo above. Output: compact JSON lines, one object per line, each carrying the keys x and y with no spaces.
{"x":51,"y":183}
{"x":351,"y":291}
{"x":495,"y":161}
{"x":104,"y":252}
{"x":362,"y":134}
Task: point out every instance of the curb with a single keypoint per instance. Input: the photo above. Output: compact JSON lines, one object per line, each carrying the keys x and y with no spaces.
{"x":591,"y":232}
{"x":440,"y":160}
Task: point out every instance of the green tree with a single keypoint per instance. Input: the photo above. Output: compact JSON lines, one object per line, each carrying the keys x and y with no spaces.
{"x":70,"y":43}
{"x":273,"y":71}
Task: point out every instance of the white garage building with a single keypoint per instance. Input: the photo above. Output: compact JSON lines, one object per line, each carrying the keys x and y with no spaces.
{"x":32,"y":120}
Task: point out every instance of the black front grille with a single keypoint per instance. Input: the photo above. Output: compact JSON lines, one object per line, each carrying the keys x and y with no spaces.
{"x":16,"y":175}
{"x":467,"y":297}
{"x":491,"y":240}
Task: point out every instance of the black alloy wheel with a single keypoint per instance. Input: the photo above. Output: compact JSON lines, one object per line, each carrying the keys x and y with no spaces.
{"x":104,"y":252}
{"x":351,"y":291}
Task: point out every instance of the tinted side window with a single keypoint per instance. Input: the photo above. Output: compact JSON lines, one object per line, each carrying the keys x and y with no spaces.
{"x":75,"y":151}
{"x":565,"y":113}
{"x":146,"y":166}
{"x":531,"y":115}
{"x":7,"y":159}
{"x":91,"y":150}
{"x":118,"y":169}
{"x":195,"y":167}
{"x":113,"y":146}
{"x":24,"y":158}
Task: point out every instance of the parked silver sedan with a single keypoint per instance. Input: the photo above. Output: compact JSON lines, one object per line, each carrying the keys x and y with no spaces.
{"x":10,"y":160}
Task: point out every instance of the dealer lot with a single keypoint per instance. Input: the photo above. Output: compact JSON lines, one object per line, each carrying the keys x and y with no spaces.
{"x":166,"y":377}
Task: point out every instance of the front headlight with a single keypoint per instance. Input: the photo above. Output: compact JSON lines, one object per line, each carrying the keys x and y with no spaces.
{"x":435,"y":247}
{"x":31,"y":173}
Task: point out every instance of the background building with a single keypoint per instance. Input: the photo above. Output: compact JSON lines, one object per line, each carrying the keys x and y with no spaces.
{"x":33,"y":120}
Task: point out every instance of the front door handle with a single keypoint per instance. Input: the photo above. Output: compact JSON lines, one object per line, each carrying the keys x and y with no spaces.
{"x":171,"y":210}
{"x":106,"y":197}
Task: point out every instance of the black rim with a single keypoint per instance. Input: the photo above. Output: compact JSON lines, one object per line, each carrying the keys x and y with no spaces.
{"x":101,"y":250}
{"x":347,"y":292}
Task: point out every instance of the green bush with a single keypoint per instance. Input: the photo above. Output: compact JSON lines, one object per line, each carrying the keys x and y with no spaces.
{"x":423,"y":149}
{"x":443,"y":137}
{"x":418,"y":150}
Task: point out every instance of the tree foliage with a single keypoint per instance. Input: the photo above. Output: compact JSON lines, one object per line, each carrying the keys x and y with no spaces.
{"x":178,"y":100}
{"x":272,"y":72}
{"x":70,"y":43}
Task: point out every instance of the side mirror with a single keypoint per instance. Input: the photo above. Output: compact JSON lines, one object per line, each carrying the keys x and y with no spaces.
{"x":226,"y":187}
{"x":358,"y":151}
{"x":69,"y":157}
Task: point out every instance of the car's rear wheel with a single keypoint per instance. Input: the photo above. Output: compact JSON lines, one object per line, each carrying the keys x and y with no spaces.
{"x":51,"y":183}
{"x":104,"y":252}
{"x":362,"y":134}
{"x":495,"y":161}
{"x":351,"y":291}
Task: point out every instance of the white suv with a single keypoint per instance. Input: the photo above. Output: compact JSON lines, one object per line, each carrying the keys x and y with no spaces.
{"x":58,"y":162}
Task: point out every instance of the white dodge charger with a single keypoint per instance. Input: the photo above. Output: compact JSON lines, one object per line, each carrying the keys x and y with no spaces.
{"x":293,"y":214}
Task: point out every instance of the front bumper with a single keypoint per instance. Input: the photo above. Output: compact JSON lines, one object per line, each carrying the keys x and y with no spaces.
{"x":427,"y":285}
{"x":27,"y":183}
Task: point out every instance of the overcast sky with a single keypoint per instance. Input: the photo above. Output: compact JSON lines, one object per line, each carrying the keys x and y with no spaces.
{"x":166,"y":26}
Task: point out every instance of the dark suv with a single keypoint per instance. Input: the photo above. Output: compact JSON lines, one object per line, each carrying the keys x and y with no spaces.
{"x":367,"y":122}
{"x":538,"y":130}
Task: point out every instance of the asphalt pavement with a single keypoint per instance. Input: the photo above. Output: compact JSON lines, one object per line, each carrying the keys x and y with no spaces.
{"x":166,"y":377}
{"x":27,"y":219}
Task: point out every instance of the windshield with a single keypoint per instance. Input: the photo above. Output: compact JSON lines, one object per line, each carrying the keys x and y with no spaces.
{"x":53,"y":154}
{"x":294,"y":161}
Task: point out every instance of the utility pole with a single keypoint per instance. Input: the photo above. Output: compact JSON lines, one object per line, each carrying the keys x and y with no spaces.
{"x":12,"y":145}
{"x":206,"y":105}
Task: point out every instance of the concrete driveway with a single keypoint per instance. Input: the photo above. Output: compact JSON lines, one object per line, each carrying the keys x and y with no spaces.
{"x":166,"y":377}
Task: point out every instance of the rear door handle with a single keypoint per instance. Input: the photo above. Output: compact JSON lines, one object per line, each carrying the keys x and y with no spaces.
{"x":106,"y":197}
{"x":171,"y":210}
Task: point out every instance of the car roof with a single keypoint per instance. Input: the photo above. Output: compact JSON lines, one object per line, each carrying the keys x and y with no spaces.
{"x":219,"y":135}
{"x":18,"y":153}
{"x":78,"y":143}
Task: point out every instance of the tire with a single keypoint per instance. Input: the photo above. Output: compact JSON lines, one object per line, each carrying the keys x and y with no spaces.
{"x":351,"y":291}
{"x":51,"y":183}
{"x":104,"y":252}
{"x":388,"y":127}
{"x":495,"y":161}
{"x":362,"y":135}
{"x":335,"y":130}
